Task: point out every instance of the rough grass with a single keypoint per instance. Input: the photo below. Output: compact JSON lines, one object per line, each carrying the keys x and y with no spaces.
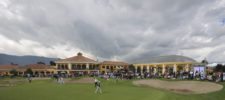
{"x":123,"y":90}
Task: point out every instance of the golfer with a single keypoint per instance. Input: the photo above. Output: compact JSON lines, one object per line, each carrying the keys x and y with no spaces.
{"x":98,"y":87}
{"x":96,"y":81}
{"x":61,"y":80}
{"x":29,"y":78}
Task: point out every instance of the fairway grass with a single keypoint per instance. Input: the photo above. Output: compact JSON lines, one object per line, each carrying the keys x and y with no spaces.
{"x":123,"y":90}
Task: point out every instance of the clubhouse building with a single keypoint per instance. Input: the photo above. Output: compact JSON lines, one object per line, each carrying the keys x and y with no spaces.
{"x":81,"y":65}
{"x":112,"y":66}
{"x":39,"y":70}
{"x":166,"y":64}
{"x":77,"y":65}
{"x":5,"y":69}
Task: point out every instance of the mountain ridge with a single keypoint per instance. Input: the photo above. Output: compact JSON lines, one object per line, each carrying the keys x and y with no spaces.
{"x":24,"y":60}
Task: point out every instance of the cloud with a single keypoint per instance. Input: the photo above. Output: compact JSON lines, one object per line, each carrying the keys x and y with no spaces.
{"x":30,"y":47}
{"x":128,"y":30}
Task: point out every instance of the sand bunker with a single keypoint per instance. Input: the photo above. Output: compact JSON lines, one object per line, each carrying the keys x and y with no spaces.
{"x":184,"y":87}
{"x":82,"y":80}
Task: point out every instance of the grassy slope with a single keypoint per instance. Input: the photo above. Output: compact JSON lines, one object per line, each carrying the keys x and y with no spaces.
{"x":124,"y":90}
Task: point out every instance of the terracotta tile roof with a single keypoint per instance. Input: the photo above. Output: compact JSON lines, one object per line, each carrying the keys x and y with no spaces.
{"x":78,"y":59}
{"x":37,"y":66}
{"x":8,"y":67}
{"x":114,"y":63}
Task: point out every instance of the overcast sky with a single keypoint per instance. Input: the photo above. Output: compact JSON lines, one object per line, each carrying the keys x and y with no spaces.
{"x":129,"y":30}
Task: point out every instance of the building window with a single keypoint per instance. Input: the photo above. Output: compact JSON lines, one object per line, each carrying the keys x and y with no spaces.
{"x":74,"y":67}
{"x":111,"y":68}
{"x":66,"y":66}
{"x":83,"y":66}
{"x":62,"y":66}
{"x":78,"y":67}
{"x":59,"y":66}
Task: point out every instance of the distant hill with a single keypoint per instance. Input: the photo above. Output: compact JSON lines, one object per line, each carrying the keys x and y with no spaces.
{"x":23,"y":60}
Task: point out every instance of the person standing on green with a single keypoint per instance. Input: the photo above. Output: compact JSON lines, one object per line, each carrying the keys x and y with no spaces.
{"x":29,"y":78}
{"x":98,"y":87}
{"x":96,"y":81}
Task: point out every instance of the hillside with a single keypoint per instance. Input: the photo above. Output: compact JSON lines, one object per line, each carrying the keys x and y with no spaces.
{"x":23,"y":60}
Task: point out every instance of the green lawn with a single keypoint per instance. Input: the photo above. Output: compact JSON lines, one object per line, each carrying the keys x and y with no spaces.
{"x":124,"y":90}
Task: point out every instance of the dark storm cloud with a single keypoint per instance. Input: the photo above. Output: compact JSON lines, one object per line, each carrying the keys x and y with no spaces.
{"x":130,"y":30}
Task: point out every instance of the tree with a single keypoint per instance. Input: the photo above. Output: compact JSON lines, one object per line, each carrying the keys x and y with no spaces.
{"x":131,"y":68}
{"x":13,"y":63}
{"x":40,"y":62}
{"x":52,"y":63}
{"x":205,"y":61}
{"x":219,"y":68}
{"x":29,"y":71}
{"x":13,"y":72}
